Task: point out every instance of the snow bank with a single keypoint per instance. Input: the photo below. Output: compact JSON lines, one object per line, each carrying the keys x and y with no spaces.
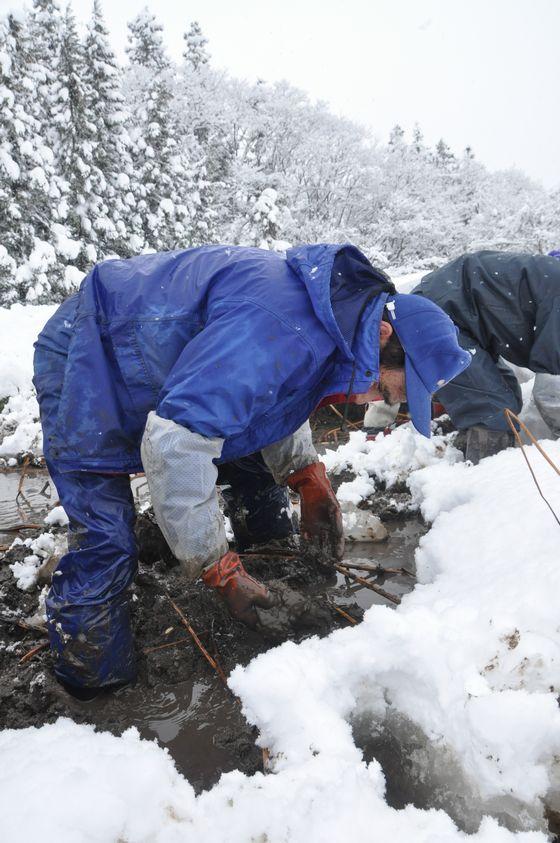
{"x":472,"y":655}
{"x":19,"y":417}
{"x":388,"y":459}
{"x":85,"y":787}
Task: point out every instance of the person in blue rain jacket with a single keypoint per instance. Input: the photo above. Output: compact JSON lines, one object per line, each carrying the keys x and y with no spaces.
{"x":202,"y":364}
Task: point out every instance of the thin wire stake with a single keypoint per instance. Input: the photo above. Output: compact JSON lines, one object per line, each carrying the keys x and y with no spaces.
{"x":29,"y":655}
{"x":340,"y":416}
{"x":345,"y":615}
{"x":195,"y":638}
{"x":509,"y":416}
{"x":367,"y":584}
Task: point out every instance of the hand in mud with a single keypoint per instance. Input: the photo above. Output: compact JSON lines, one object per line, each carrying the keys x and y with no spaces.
{"x":293,"y":613}
{"x":240,"y":591}
{"x":321,"y":519}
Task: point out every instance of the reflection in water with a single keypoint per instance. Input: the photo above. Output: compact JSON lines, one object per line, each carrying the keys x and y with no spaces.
{"x":397,"y":552}
{"x":38,"y":496}
{"x":196,"y":721}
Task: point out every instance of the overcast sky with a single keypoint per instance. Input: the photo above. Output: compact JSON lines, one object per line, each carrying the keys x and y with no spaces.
{"x":484,"y":73}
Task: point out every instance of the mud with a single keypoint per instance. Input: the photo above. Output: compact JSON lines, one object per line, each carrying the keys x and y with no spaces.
{"x":178,"y":699}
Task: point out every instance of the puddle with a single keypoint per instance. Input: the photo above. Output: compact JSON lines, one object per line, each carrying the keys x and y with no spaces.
{"x":198,"y":722}
{"x":38,"y":496}
{"x":396,"y":552}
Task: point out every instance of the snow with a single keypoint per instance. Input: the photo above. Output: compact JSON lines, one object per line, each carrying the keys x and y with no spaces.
{"x":56,"y":517}
{"x":470,"y":660}
{"x":43,"y":547}
{"x":125,"y":788}
{"x":388,"y":459}
{"x":11,"y":167}
{"x":65,"y":246}
{"x":73,"y":277}
{"x":19,"y":419}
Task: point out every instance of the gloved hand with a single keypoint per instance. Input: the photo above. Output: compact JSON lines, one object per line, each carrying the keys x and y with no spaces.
{"x":321,"y":518}
{"x":240,"y":591}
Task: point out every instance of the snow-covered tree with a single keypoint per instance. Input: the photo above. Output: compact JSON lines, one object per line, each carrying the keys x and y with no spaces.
{"x":29,"y":184}
{"x":96,"y":162}
{"x":76,"y":133}
{"x":145,"y":42}
{"x":195,"y":53}
{"x":108,"y":200}
{"x":165,"y":191}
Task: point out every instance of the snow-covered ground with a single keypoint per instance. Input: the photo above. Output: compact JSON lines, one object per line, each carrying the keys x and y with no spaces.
{"x":464,"y":674}
{"x":19,"y":413}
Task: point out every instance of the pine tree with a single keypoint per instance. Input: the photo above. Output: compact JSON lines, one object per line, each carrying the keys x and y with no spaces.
{"x":145,"y":43}
{"x":444,"y":155}
{"x":10,"y":171}
{"x":76,"y":134}
{"x":396,"y":137}
{"x":195,"y":53}
{"x":45,"y":38}
{"x":109,"y":199}
{"x":32,"y":198}
{"x":418,"y":139}
{"x":165,"y":189}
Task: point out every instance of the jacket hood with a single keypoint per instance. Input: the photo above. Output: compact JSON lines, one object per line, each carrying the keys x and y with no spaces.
{"x":340,"y":282}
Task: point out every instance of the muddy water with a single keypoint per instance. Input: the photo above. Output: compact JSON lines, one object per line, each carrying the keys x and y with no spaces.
{"x":37,"y":497}
{"x":199,"y":721}
{"x":196,"y":721}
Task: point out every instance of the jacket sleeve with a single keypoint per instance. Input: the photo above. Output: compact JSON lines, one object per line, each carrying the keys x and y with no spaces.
{"x":182,"y":477}
{"x":239,"y":366}
{"x":290,"y":454}
{"x":545,"y":352}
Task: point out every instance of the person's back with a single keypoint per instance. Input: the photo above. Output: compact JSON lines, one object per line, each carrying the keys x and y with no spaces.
{"x":131,"y":326}
{"x":508,"y":303}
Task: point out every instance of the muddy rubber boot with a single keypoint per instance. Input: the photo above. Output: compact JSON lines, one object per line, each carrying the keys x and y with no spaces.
{"x":478,"y":442}
{"x":259,"y":515}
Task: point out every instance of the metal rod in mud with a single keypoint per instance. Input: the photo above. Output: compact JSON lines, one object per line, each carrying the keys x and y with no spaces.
{"x":344,"y":614}
{"x":29,"y":655}
{"x":38,"y":629}
{"x":381,"y":591}
{"x":377,"y":569}
{"x":198,"y":642}
{"x":15,"y":528}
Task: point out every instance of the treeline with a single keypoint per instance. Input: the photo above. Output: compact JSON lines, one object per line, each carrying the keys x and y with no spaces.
{"x":98,"y":160}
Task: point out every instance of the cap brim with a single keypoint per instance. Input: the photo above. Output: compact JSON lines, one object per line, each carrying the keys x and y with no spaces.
{"x":419,"y":400}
